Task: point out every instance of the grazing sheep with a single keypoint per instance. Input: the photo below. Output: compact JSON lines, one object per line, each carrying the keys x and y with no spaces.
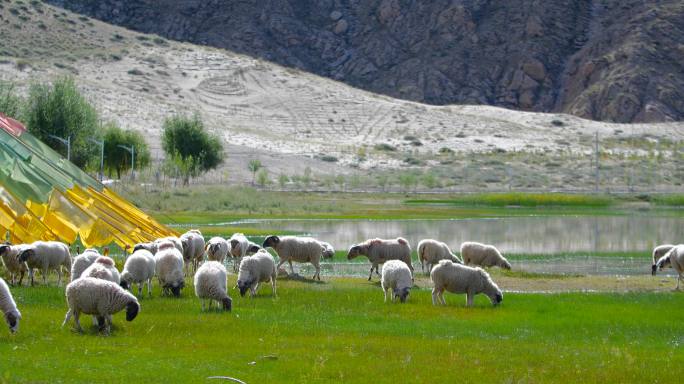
{"x":46,"y":255}
{"x":9,"y":307}
{"x":396,"y":276}
{"x":255,"y":269}
{"x":299,"y":249}
{"x":458,"y":278}
{"x":100,"y":298}
{"x":103,"y":268}
{"x":217,"y":249}
{"x":153,"y":246}
{"x":83,"y":261}
{"x":169,"y":268}
{"x":193,"y":248}
{"x":379,"y":251}
{"x":9,"y":254}
{"x":674,"y":259}
{"x":252,"y":248}
{"x":432,"y":251}
{"x":328,"y":250}
{"x":483,"y":255}
{"x":659,"y":252}
{"x":150,"y":247}
{"x":239,"y":245}
{"x":210,"y":283}
{"x":139,"y":269}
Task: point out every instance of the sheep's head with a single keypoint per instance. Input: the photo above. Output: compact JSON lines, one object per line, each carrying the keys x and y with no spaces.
{"x":26,"y":254}
{"x":495,"y":295}
{"x":663,"y":262}
{"x":213,"y":248}
{"x":4,"y":248}
{"x":253,"y":248}
{"x":271,"y":241}
{"x":132,"y":309}
{"x":227,"y":304}
{"x":328,"y":251}
{"x":354,"y":251}
{"x":505,"y":264}
{"x":139,"y":246}
{"x":175,"y":288}
{"x":243,"y":286}
{"x":654,"y":268}
{"x":12,"y":318}
{"x":125,"y":284}
{"x":402,"y":294}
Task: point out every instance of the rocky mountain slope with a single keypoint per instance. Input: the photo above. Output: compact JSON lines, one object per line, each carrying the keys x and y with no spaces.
{"x":610,"y":60}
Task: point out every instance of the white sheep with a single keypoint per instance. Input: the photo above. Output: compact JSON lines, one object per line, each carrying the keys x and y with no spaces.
{"x":431,"y":251}
{"x":46,"y":255}
{"x":252,"y":248}
{"x":483,"y":255}
{"x":150,"y":247}
{"x":255,"y":269}
{"x":299,"y":249}
{"x":328,"y":250}
{"x":100,"y":298}
{"x":659,"y":252}
{"x":83,"y":261}
{"x":9,"y":307}
{"x":210,"y":284}
{"x":138,"y":269}
{"x":169,"y":268}
{"x":458,"y":278}
{"x":239,"y":245}
{"x":380,"y":251}
{"x":396,"y":276}
{"x":193,"y":248}
{"x":675,"y":259}
{"x":14,"y":267}
{"x":217,"y":249}
{"x":103,"y":268}
{"x":153,"y":246}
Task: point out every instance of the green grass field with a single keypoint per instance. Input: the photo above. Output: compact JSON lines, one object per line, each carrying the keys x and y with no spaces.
{"x":341,"y":331}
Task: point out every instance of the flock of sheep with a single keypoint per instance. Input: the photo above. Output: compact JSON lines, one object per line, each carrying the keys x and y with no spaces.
{"x":97,"y":288}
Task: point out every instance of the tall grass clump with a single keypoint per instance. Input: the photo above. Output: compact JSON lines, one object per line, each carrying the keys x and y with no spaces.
{"x":670,"y":200}
{"x":523,"y":200}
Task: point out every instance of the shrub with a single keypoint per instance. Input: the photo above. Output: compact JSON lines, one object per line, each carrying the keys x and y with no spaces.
{"x":385,"y":147}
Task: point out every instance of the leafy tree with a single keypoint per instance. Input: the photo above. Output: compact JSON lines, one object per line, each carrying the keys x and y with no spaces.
{"x":262,"y":177}
{"x":430,"y":180}
{"x":306,"y":178}
{"x":117,"y":159}
{"x":282,"y":180}
{"x":59,"y":109}
{"x":254,"y":166}
{"x":189,"y":147}
{"x":10,"y":103}
{"x":407,"y":180}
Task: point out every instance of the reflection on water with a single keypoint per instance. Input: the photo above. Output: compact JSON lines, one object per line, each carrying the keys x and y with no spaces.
{"x":528,"y":235}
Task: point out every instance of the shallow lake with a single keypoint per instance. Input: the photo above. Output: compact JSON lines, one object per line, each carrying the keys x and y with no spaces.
{"x":583,"y":236}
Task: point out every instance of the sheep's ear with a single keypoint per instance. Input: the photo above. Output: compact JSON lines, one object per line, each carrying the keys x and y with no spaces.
{"x":3,"y":249}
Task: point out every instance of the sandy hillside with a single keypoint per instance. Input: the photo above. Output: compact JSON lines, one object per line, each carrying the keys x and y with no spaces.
{"x":285,"y":117}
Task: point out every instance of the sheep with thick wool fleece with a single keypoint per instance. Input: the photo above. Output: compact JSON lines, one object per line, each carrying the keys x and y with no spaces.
{"x":138,"y":269}
{"x":103,"y":268}
{"x":431,"y":251}
{"x":100,"y":298}
{"x":9,"y":253}
{"x":255,"y":269}
{"x":380,"y":251}
{"x":193,"y":248}
{"x":46,"y":255}
{"x":239,"y":245}
{"x":9,"y":307}
{"x":675,"y":259}
{"x":299,"y":249}
{"x":211,"y":284}
{"x":153,"y":246}
{"x":83,"y":261}
{"x":483,"y":255}
{"x":396,"y":276}
{"x":217,"y":249}
{"x":458,"y":278}
{"x":168,"y":266}
{"x":659,"y":252}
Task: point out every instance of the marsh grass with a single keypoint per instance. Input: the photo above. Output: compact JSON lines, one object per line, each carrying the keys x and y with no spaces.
{"x":523,"y":200}
{"x":341,"y":331}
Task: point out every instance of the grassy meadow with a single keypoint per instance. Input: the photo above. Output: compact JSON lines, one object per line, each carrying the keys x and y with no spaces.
{"x":341,"y":331}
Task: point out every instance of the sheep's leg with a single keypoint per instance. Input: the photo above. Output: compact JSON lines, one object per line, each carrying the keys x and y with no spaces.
{"x":376,"y":271}
{"x":318,"y":272}
{"x":469,"y":299}
{"x":273,"y":285}
{"x":435,"y":296}
{"x":282,"y":261}
{"x":45,"y":272}
{"x":31,"y":275}
{"x":77,"y":322}
{"x":149,"y":287}
{"x":59,"y":276}
{"x":370,"y":274}
{"x":384,"y":291}
{"x":291,"y":268}
{"x":441,"y":297}
{"x":679,"y":278}
{"x":21,"y":277}
{"x":140,"y":288}
{"x":202,"y":301}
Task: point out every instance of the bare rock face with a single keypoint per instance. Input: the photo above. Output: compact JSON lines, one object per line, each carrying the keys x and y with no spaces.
{"x":613,"y":60}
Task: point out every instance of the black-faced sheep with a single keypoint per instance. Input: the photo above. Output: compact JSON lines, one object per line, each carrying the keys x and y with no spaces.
{"x":139,"y":269}
{"x":239,"y":245}
{"x":380,"y":251}
{"x":396,"y":276}
{"x":169,"y":268}
{"x":659,"y":252}
{"x":675,"y":259}
{"x":255,"y":269}
{"x":299,"y":249}
{"x":210,"y":284}
{"x":46,"y":255}
{"x":217,"y":249}
{"x":457,"y":278}
{"x":193,"y":248}
{"x":14,"y":267}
